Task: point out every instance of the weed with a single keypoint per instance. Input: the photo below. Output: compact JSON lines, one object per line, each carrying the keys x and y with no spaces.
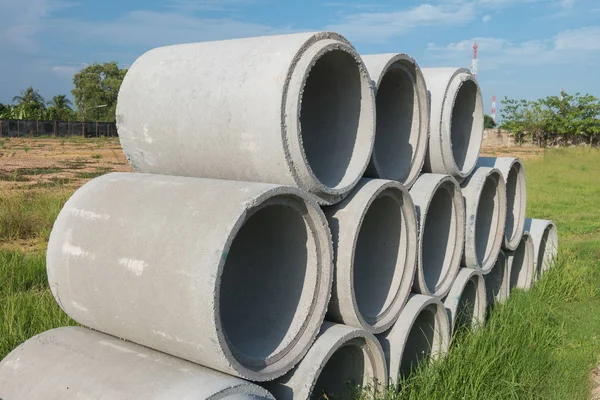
{"x":96,"y":156}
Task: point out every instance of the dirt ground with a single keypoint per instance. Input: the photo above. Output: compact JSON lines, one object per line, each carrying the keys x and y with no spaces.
{"x":28,"y":163}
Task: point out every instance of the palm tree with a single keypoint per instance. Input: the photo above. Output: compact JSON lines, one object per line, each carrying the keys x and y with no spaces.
{"x":60,"y":103}
{"x":30,"y":96}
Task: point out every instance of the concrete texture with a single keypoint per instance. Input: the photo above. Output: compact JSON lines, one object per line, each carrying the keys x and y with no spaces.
{"x":402,"y":132}
{"x":521,"y":265}
{"x":341,"y":357}
{"x":235,"y":276}
{"x":296,"y":110}
{"x":374,"y":233}
{"x":422,"y":331}
{"x":441,"y":227}
{"x":466,"y":302}
{"x":545,"y":243}
{"x":456,"y":128}
{"x":78,"y":363}
{"x":497,"y":281}
{"x":485,"y":215}
{"x":513,"y":172}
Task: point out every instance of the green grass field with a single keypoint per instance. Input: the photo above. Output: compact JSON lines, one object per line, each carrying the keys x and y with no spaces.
{"x":542,"y":344}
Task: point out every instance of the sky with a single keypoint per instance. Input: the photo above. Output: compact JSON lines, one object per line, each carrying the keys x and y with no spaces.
{"x":527,"y":48}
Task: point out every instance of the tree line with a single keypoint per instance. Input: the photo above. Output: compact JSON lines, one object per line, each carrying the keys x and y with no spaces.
{"x":554,"y":120}
{"x":95,"y":92}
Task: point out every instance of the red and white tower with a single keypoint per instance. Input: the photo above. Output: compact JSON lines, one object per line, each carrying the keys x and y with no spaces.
{"x":494,"y":108}
{"x":475,"y":64}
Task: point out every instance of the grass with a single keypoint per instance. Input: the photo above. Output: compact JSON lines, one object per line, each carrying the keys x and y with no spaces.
{"x":541,"y":344}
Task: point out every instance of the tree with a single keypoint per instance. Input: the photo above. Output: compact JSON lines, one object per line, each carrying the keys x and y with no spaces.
{"x":59,"y":108}
{"x":30,"y":104}
{"x":29,"y":96}
{"x":488,"y":122}
{"x":96,"y":90}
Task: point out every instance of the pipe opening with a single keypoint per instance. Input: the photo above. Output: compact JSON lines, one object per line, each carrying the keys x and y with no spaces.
{"x":466,"y":306}
{"x":330,"y":116}
{"x":419,"y":342}
{"x":517,"y":264}
{"x":487,"y":220}
{"x":396,"y":133}
{"x":466,"y":122}
{"x":268,"y":284}
{"x":379,"y":257}
{"x":343,"y":373}
{"x":438,"y":238}
{"x":494,"y":280}
{"x":514,"y":203}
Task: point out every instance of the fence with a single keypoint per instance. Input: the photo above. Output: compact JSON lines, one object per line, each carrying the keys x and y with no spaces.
{"x":24,"y":128}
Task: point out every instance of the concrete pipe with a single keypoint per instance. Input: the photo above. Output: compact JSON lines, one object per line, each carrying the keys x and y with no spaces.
{"x":402,"y":132}
{"x":441,"y":227}
{"x":374,"y":234}
{"x":456,"y":129}
{"x":235,"y":276}
{"x":521,"y":265}
{"x":485,"y":209}
{"x":78,"y":363}
{"x":497,"y":281}
{"x":466,"y":302}
{"x":513,"y":172}
{"x":296,"y":110}
{"x":545,"y":243}
{"x":342,"y":360}
{"x":422,"y":332}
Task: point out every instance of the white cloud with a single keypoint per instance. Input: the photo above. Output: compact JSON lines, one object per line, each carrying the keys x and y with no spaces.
{"x":64,"y":70}
{"x":587,"y":38}
{"x":486,"y":18}
{"x":567,"y":3}
{"x":379,"y":27}
{"x":207,"y":5}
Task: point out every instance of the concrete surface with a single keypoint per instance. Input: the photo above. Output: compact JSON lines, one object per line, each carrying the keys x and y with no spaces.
{"x":441,"y":227}
{"x":456,"y":128}
{"x":466,"y":302}
{"x":295,"y":109}
{"x":402,"y":132}
{"x":235,"y":276}
{"x":485,"y":215}
{"x":545,"y":243}
{"x":342,"y":356}
{"x":374,"y":233}
{"x":422,"y":331}
{"x":79,"y":363}
{"x":513,"y":172}
{"x":497,"y":281}
{"x":521,"y":265}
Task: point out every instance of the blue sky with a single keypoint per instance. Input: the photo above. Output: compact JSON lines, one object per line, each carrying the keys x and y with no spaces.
{"x":528,"y":48}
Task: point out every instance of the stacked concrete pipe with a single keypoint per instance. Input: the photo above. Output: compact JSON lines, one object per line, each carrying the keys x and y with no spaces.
{"x":78,"y":363}
{"x":294,"y":110}
{"x":422,"y":332}
{"x":513,"y":172}
{"x":441,"y":228}
{"x":374,"y":234}
{"x":545,"y":243}
{"x":485,"y":214}
{"x":235,"y":276}
{"x":341,"y":358}
{"x":497,"y":281}
{"x":466,"y":302}
{"x":456,"y":128}
{"x":521,"y":265}
{"x":402,"y":132}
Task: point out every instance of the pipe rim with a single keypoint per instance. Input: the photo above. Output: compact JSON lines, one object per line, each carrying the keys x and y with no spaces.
{"x":512,"y":239}
{"x":444,"y":182}
{"x":385,"y":319}
{"x":524,"y":279}
{"x":453,"y":301}
{"x":275,"y":365}
{"x":472,"y":190}
{"x":408,"y":65}
{"x":502,"y":293}
{"x":457,"y":82}
{"x":319,"y":46}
